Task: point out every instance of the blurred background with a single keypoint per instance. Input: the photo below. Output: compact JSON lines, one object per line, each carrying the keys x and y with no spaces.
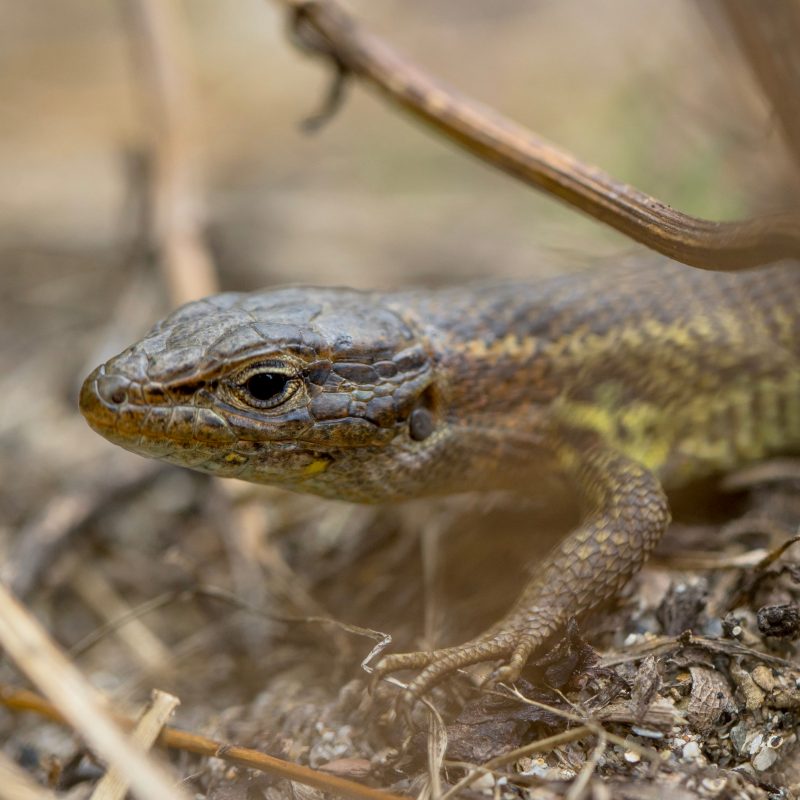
{"x":651,"y":92}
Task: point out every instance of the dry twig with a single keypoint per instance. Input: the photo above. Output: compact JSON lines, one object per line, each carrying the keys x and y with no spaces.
{"x":539,"y":746}
{"x":113,"y":786}
{"x":323,"y":27}
{"x":77,"y":701}
{"x":64,"y":517}
{"x":23,"y":700}
{"x":174,"y":199}
{"x":97,"y":592}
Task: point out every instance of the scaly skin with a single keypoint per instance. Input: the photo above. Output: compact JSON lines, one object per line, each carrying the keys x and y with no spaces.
{"x":618,"y":385}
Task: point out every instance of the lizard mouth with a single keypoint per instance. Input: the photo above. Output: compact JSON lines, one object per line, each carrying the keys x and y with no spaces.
{"x":114,"y":406}
{"x":190,"y":436}
{"x":118,"y":407}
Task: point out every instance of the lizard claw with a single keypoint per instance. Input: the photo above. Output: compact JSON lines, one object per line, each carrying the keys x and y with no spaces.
{"x":435,"y":665}
{"x":508,"y":673}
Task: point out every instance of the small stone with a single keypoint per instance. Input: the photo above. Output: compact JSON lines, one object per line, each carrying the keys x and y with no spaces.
{"x":485,"y":783}
{"x":566,"y":774}
{"x":763,"y":677}
{"x":713,"y":786}
{"x":764,"y":759}
{"x":753,"y":695}
{"x":632,"y":757}
{"x":739,"y":736}
{"x":782,"y":621}
{"x":537,"y":767}
{"x":691,"y":751}
{"x":647,"y":733}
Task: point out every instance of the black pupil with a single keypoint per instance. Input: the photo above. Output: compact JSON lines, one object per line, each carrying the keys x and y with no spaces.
{"x":265,"y":385}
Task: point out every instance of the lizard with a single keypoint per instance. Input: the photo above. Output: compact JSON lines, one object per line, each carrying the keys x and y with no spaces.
{"x":615,"y":385}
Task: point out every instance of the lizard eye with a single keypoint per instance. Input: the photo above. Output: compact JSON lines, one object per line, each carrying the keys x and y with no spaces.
{"x":265,"y":386}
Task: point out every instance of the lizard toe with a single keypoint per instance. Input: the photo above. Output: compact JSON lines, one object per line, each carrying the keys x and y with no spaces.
{"x":509,"y":672}
{"x":396,"y":662}
{"x":435,"y":665}
{"x":455,"y":658}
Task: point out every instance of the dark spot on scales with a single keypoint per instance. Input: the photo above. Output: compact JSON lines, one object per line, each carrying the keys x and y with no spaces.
{"x":185,"y":389}
{"x":154,"y":394}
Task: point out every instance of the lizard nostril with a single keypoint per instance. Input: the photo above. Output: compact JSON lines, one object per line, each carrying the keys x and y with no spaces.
{"x":113,"y":389}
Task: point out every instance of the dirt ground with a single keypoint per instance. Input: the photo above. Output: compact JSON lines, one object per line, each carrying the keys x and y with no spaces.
{"x":149,"y":576}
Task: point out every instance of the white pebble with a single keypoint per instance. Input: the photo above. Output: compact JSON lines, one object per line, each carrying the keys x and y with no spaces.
{"x":691,"y":750}
{"x":764,"y":759}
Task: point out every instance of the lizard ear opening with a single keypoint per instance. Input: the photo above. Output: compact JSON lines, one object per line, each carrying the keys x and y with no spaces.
{"x":421,"y":421}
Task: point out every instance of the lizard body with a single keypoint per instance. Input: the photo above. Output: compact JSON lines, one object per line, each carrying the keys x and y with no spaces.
{"x":618,"y":384}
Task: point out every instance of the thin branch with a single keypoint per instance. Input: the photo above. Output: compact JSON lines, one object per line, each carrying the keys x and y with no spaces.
{"x":46,"y":537}
{"x":37,"y":656}
{"x":113,"y":786}
{"x":24,"y":700}
{"x":538,"y":746}
{"x":155,"y":30}
{"x":323,"y":27}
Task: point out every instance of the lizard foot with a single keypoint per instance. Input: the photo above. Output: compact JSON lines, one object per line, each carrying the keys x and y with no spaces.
{"x":509,"y":646}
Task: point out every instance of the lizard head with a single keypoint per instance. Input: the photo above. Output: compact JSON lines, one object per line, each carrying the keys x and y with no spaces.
{"x":326,"y":391}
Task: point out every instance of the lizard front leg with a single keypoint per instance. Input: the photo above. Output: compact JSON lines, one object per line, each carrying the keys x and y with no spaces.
{"x":624,"y":514}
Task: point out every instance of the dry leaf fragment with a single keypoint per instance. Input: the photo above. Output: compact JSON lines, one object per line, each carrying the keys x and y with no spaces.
{"x":645,"y":686}
{"x":711,"y":697}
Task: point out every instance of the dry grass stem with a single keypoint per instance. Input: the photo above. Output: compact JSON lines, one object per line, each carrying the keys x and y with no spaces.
{"x":23,"y":700}
{"x":144,"y":646}
{"x":578,"y":788}
{"x":437,"y":748}
{"x":538,"y":746}
{"x":49,"y":534}
{"x":35,"y":654}
{"x":161,"y":67}
{"x":113,"y":785}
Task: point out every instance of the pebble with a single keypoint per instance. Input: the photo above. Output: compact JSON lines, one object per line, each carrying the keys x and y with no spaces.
{"x":739,"y":736}
{"x":484,"y":783}
{"x":755,"y":743}
{"x":713,"y":786}
{"x":764,"y":759}
{"x":647,"y":733}
{"x":691,"y":751}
